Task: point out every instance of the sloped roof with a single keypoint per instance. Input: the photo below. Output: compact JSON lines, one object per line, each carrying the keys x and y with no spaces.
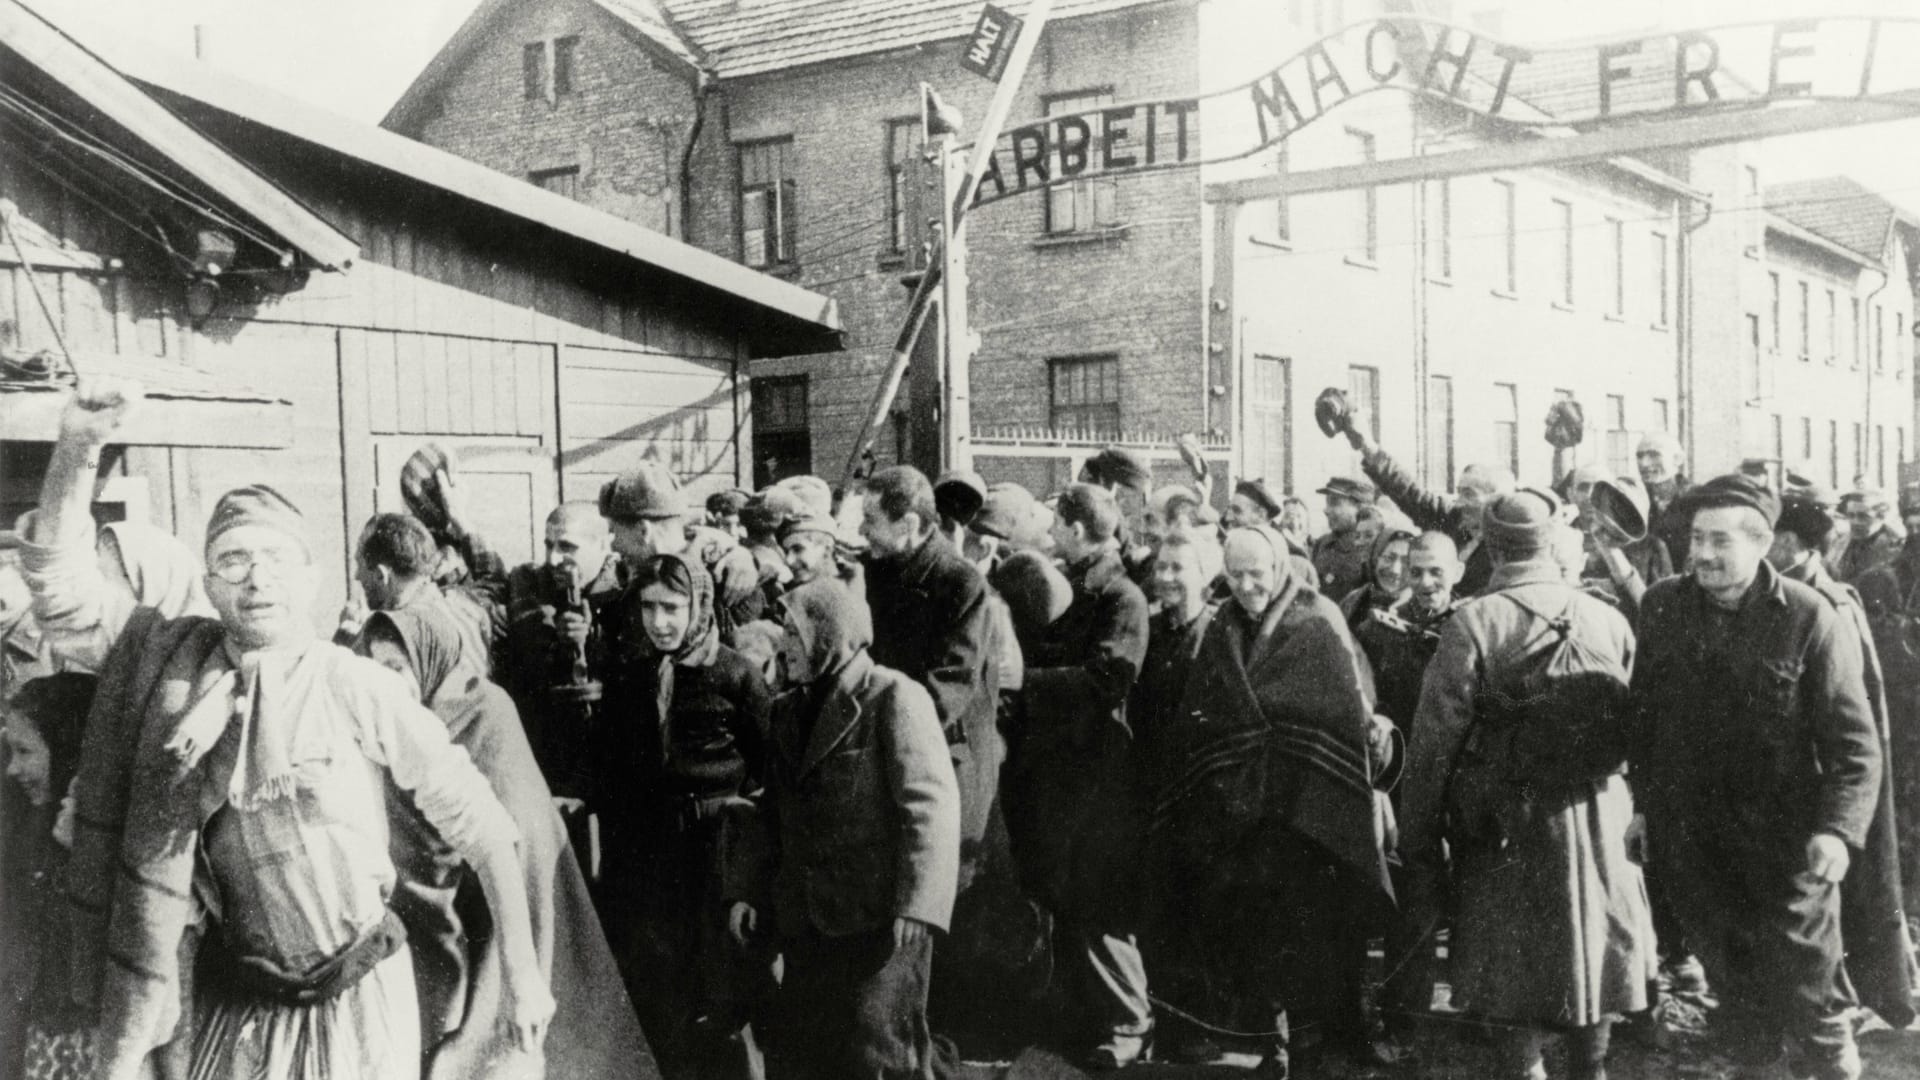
{"x":650,"y":18}
{"x":802,"y":309}
{"x":749,"y":37}
{"x":1838,"y":208}
{"x":82,"y":72}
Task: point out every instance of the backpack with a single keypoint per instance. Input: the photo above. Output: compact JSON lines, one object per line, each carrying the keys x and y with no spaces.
{"x":1551,"y":723}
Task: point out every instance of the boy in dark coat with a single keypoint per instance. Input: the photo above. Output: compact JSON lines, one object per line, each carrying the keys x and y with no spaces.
{"x":864,"y":838}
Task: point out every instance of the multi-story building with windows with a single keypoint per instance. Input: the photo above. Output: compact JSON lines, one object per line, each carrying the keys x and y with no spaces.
{"x":786,"y":135}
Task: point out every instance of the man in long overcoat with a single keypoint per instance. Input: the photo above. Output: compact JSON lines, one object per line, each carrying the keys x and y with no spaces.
{"x":1891,"y":595}
{"x":1069,"y":776}
{"x":1759,"y":764}
{"x":1517,"y":762}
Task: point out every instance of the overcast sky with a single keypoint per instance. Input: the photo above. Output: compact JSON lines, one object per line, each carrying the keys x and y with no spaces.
{"x":354,"y":57}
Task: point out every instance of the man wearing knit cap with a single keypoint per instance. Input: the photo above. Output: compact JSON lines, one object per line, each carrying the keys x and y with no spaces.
{"x":1872,"y":542}
{"x":1340,"y":557}
{"x":723,"y":511}
{"x":1069,"y":775}
{"x":247,"y":747}
{"x":1758,"y":764}
{"x":861,"y":866}
{"x":760,"y":535}
{"x":647,"y":513}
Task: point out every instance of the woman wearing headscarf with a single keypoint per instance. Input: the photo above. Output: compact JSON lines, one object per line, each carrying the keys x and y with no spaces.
{"x":692,"y":749}
{"x":1267,"y":814}
{"x":1383,"y":580}
{"x":595,"y":1035}
{"x":44,"y":1035}
{"x":862,"y":851}
{"x":139,"y":566}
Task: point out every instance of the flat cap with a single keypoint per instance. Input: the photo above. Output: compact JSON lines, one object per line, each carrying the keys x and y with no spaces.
{"x":959,"y":494}
{"x":1734,"y":489}
{"x":649,"y":492}
{"x":1117,"y":466}
{"x":1346,"y":487}
{"x":1256,"y":492}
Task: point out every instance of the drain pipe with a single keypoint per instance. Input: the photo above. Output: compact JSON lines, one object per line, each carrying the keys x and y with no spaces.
{"x":1867,"y":367}
{"x":1683,"y":319}
{"x":703,"y":89}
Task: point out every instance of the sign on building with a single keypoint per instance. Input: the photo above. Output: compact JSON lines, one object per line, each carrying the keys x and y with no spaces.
{"x":991,"y":43}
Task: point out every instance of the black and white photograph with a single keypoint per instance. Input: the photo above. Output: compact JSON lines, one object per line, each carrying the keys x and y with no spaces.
{"x":959,"y":539}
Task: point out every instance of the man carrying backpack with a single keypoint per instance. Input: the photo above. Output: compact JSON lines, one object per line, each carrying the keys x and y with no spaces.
{"x":1519,"y":747}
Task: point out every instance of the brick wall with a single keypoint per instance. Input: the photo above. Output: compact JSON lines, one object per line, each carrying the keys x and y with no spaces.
{"x":1133,"y":293}
{"x":624,"y":125}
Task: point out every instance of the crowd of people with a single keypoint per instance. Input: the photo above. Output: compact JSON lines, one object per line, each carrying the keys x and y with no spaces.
{"x":849,"y":784}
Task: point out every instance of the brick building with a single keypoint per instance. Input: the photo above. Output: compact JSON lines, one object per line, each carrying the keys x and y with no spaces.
{"x":1454,"y":311}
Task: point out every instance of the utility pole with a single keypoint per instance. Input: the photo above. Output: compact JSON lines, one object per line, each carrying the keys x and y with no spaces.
{"x":956,"y":407}
{"x":957,"y":197}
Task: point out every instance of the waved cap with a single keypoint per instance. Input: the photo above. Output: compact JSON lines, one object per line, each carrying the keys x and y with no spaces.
{"x":1735,"y":489}
{"x":1118,"y":466}
{"x":1256,"y":492}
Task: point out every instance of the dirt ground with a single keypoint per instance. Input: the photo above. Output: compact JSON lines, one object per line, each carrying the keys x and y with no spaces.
{"x":1680,"y":1051}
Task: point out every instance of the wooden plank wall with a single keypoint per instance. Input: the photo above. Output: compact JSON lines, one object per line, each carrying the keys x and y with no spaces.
{"x":620,"y":407}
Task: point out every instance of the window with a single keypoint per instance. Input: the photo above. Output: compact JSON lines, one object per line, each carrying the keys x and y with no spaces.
{"x":907,"y":211}
{"x":1366,"y":220}
{"x":1756,"y":382}
{"x":1506,"y":425}
{"x":1619,"y":439}
{"x":1440,"y":432}
{"x":1779,"y":439}
{"x":1563,"y":213}
{"x":547,"y":68}
{"x":1270,"y":419}
{"x":1083,"y":205}
{"x":533,"y":70}
{"x":1617,"y":254}
{"x":1806,"y":439}
{"x":1879,"y":338}
{"x":1662,"y":415}
{"x":1859,"y":448}
{"x":563,"y":54}
{"x":1831,"y":342}
{"x":1508,"y":208}
{"x":1442,"y":238}
{"x":1756,"y":221}
{"x":1282,"y":213}
{"x":1853,"y":333}
{"x":766,"y":204}
{"x":1363,"y":393}
{"x":1086,"y":395}
{"x":782,"y":444}
{"x":1901,"y":435}
{"x":1662,"y":280}
{"x":1899,"y":341}
{"x":1880,"y":455}
{"x":1833,"y":453}
{"x":564,"y":181}
{"x":1806,"y":322}
{"x":1773,"y":284}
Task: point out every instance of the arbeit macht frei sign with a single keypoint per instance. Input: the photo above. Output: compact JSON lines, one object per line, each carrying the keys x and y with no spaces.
{"x":1754,"y":65}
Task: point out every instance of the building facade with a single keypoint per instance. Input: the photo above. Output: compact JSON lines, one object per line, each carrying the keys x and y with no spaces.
{"x":1454,"y":312}
{"x":549,"y":345}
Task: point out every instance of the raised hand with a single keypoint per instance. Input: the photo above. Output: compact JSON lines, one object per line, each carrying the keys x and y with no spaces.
{"x":97,"y":409}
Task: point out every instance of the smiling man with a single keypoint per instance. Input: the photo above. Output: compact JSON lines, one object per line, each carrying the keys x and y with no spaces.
{"x":274,"y":742}
{"x":1758,"y":765}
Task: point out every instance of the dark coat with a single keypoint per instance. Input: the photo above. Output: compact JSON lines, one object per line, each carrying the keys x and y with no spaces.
{"x":1754,"y":733}
{"x":1551,"y":923}
{"x":1069,"y":770}
{"x":1873,"y":916}
{"x":932,"y":623}
{"x":1862,"y":557}
{"x":864,"y":810}
{"x":1431,"y":510}
{"x":1341,"y":563}
{"x":1675,"y":530}
{"x":531,"y":658}
{"x":1891,"y":595}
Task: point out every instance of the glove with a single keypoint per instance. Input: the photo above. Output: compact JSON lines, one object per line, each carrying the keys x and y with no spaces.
{"x":1332,"y":413}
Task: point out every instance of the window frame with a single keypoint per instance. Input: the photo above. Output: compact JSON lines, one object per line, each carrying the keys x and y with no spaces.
{"x":1369,"y":147}
{"x":789,"y":434}
{"x":1508,"y":403}
{"x":1440,"y":468}
{"x":907,"y":229}
{"x":1085,"y":190}
{"x":563,"y":64}
{"x":1617,"y":230}
{"x":1663,"y":279}
{"x":1109,"y":363}
{"x":781,"y":193}
{"x":1509,"y":195}
{"x":1563,"y":209}
{"x":534,"y":65}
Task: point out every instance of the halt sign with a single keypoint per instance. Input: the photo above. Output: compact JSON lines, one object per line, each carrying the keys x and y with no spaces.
{"x":991,"y":43}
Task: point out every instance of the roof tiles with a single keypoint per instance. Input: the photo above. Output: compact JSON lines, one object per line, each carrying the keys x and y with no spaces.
{"x":1839,"y":208}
